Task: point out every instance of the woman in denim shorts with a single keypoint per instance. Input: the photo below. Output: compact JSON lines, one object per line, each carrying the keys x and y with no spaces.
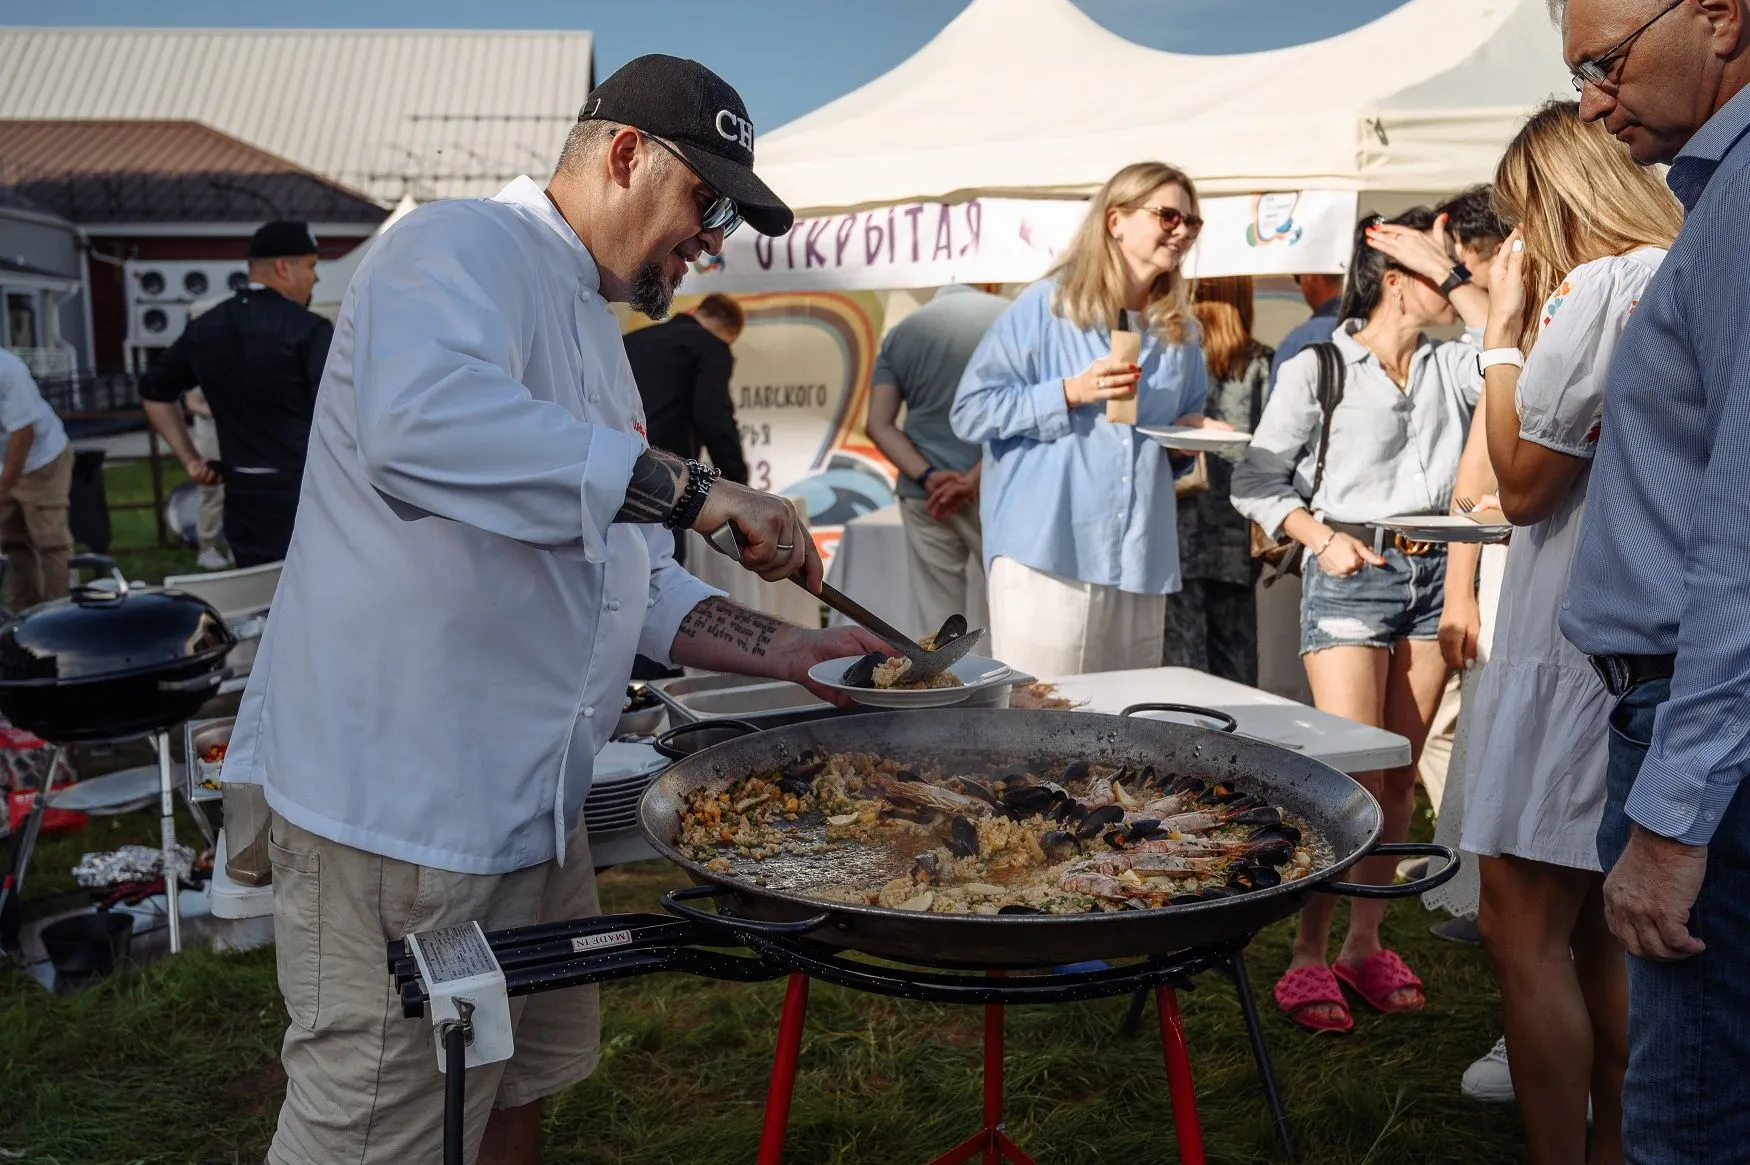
{"x":1370,"y":601}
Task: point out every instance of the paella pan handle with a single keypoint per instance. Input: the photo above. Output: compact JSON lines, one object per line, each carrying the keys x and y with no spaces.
{"x":1228,"y":723}
{"x":673,"y":899}
{"x":1400,"y":849}
{"x":665,"y":743}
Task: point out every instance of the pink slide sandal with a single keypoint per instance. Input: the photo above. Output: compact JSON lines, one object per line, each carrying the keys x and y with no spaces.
{"x":1379,"y":976}
{"x":1305,"y":988}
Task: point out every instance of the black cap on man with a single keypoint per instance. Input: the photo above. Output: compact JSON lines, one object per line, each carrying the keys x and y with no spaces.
{"x":703,"y":119}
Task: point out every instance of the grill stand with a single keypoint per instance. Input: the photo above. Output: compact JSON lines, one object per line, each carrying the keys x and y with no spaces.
{"x":1235,"y":972}
{"x":991,"y":1145}
{"x":553,"y":956}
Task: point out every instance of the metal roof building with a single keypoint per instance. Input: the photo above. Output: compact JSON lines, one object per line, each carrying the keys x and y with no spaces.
{"x":116,"y":170}
{"x":435,"y":114}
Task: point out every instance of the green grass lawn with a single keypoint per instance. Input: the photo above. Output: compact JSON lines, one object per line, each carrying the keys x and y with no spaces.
{"x":131,"y":481}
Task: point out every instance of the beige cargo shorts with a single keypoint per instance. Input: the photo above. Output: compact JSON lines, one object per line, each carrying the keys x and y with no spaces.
{"x":362,"y":1084}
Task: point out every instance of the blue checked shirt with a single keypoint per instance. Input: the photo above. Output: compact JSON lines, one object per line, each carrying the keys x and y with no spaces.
{"x":1664,"y":559}
{"x":1065,"y":491}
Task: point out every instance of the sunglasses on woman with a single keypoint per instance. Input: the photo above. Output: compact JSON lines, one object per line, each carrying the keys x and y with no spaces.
{"x":722,"y":214}
{"x":1172,"y":217}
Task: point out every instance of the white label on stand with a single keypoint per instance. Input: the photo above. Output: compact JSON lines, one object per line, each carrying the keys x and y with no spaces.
{"x":612,"y":938}
{"x":455,"y":952}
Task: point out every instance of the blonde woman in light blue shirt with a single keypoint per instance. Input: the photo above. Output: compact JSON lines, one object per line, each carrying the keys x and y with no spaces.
{"x":1080,"y":530}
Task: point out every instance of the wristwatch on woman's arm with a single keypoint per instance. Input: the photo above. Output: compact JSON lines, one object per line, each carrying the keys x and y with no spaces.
{"x":1455,"y":279}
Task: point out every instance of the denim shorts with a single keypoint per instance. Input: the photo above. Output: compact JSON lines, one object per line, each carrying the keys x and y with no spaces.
{"x":1375,"y":606}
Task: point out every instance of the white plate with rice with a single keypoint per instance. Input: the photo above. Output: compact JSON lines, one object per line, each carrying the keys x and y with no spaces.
{"x":975,"y":673}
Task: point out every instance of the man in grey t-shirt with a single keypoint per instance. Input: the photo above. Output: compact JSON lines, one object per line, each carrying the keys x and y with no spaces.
{"x":920,"y":364}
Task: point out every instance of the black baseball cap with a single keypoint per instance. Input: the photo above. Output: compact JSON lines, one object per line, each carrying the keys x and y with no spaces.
{"x":280,"y":240}
{"x":703,"y":118}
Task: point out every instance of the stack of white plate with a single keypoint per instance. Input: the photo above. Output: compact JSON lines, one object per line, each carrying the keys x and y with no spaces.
{"x":623,"y":771}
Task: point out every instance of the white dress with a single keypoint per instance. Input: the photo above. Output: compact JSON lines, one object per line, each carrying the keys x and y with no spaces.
{"x":1535,"y":768}
{"x":1463,"y":894}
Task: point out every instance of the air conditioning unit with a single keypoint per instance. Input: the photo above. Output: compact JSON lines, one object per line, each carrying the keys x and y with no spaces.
{"x":156,"y":325}
{"x":183,"y":281}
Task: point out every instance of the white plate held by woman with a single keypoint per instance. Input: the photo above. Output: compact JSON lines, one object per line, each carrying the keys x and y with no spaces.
{"x":975,"y":673}
{"x":1185,"y":439}
{"x":1447,"y":528}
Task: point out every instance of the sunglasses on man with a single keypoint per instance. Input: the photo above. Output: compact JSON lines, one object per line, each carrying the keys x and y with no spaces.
{"x":722,"y":214}
{"x":1596,"y":71}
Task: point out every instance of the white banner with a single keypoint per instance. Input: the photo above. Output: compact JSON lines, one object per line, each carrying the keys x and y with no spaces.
{"x":1013,"y":240}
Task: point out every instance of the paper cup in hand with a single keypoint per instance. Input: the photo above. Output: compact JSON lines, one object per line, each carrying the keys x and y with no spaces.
{"x":1126,"y":346}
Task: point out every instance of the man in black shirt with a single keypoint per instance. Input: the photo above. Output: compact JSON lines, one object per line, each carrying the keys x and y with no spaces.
{"x":682,"y":368}
{"x":258,"y":359}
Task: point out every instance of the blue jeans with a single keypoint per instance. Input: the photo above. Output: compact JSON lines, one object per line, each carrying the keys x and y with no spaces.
{"x":1686,"y":1099}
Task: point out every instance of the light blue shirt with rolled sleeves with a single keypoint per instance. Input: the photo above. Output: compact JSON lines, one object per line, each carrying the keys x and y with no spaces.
{"x":1662,"y":565}
{"x":1064,"y":490}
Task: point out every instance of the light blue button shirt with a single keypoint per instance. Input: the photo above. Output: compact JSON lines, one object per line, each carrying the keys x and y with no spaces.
{"x":1662,"y":566}
{"x":1064,"y":490}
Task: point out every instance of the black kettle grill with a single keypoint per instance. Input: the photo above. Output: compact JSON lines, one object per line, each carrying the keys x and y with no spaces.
{"x":110,"y":661}
{"x":107,"y":662}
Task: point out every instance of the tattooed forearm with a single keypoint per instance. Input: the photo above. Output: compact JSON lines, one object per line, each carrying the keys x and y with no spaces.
{"x":721,"y":621}
{"x":658,"y":480}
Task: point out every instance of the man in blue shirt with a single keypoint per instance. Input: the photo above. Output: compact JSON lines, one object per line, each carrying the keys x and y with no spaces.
{"x":1660,"y":590}
{"x":1323,"y":294}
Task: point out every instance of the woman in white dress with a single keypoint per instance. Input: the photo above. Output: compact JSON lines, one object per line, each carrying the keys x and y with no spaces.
{"x":1591,"y":232}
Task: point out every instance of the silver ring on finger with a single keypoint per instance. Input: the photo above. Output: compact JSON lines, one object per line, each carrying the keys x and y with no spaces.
{"x":786,"y":547}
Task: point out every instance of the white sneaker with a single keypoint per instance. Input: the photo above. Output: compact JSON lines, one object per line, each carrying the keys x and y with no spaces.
{"x":213,"y":558}
{"x":1487,"y":1079}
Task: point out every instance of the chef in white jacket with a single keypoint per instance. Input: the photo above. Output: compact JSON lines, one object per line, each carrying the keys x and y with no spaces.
{"x":484,"y":540}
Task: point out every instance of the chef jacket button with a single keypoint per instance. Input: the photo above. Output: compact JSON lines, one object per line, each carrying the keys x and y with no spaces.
{"x":589,"y":711}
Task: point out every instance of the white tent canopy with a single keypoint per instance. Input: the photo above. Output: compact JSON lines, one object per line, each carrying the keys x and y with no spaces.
{"x":1032,"y":97}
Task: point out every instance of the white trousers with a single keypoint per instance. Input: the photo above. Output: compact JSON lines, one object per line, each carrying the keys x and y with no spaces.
{"x":1052,"y":626}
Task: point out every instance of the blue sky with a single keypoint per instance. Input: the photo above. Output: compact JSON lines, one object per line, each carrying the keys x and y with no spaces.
{"x":785,"y":56}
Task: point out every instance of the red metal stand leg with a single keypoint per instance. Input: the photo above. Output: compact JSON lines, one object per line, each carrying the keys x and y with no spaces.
{"x":991,"y":1145}
{"x":784,"y":1071}
{"x":1178,"y":1058}
{"x":993,"y":1080}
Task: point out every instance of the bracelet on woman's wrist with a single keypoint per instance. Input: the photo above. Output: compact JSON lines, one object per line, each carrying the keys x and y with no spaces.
{"x":1327,"y":544}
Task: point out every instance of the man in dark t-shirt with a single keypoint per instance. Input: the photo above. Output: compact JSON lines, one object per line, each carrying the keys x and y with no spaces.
{"x":257,"y":358}
{"x":682,"y":368}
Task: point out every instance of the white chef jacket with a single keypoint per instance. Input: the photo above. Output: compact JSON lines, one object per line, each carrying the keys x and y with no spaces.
{"x":452,"y":635}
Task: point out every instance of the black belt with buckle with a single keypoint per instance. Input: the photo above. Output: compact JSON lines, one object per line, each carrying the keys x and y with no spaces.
{"x":1382,"y":539}
{"x":1621,"y":673}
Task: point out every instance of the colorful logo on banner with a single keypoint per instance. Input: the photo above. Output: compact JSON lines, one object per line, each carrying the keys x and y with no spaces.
{"x":1273,"y":220}
{"x":801,"y":394}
